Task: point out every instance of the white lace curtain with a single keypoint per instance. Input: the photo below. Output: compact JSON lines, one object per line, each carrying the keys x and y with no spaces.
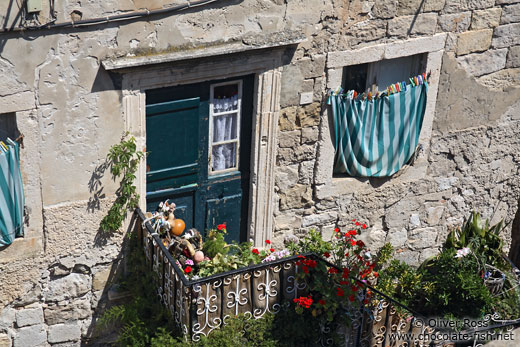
{"x":224,"y":129}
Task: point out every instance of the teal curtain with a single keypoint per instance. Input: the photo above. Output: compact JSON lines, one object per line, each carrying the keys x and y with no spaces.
{"x":11,"y":195}
{"x":376,"y":138}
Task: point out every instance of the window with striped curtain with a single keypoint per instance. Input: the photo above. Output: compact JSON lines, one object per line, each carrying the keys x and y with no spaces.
{"x":376,"y":136}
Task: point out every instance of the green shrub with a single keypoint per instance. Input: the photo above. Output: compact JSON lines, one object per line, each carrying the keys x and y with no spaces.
{"x":453,"y":287}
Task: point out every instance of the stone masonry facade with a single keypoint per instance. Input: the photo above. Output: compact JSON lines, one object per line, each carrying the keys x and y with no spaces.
{"x":56,"y":280}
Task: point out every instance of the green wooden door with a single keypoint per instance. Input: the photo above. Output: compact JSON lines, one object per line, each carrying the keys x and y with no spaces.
{"x":199,"y":143}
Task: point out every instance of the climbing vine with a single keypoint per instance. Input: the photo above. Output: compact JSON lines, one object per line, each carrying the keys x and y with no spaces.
{"x":124,"y":161}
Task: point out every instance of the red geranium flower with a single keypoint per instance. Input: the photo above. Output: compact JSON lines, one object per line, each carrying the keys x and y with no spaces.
{"x":336,"y":230}
{"x":375,"y":274}
{"x":339,"y":292}
{"x":255,"y":251}
{"x":364,"y":226}
{"x":321,"y":302}
{"x":221,"y":226}
{"x":352,"y":232}
{"x":268,"y":242}
{"x":188,"y":269}
{"x":358,"y":224}
{"x":360,"y":243}
{"x":352,"y":298}
{"x":326,"y":254}
{"x":271,"y":249}
{"x":333,"y":270}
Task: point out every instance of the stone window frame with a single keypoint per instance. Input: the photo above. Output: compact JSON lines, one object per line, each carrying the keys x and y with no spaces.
{"x":26,"y":114}
{"x":266,"y":66}
{"x":433,"y":49}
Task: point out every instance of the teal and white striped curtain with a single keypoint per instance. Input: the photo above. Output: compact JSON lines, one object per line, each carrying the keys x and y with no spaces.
{"x":11,"y":195}
{"x":375,"y":138}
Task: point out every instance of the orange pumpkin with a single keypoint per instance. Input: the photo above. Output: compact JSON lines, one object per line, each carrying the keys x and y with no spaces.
{"x":177,"y":227}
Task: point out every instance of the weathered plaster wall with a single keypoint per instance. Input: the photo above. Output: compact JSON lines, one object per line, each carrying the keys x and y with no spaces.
{"x":70,"y":111}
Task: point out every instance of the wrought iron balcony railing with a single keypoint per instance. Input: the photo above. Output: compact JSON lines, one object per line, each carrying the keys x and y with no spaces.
{"x":202,"y":305}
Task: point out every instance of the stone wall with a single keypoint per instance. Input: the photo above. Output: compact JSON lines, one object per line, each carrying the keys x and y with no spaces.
{"x":56,"y":278}
{"x":471,"y":155}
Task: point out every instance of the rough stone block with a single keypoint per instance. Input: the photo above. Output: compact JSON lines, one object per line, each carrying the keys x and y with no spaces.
{"x":7,"y":317}
{"x":292,"y":80}
{"x":422,"y":238}
{"x":312,"y":67}
{"x":60,"y":313}
{"x":454,"y":6}
{"x":478,"y":64}
{"x":397,"y":215}
{"x":444,"y":184}
{"x":319,"y":219}
{"x":295,"y":155}
{"x":286,"y":176}
{"x":423,"y":24}
{"x":411,"y":7}
{"x":474,"y":41}
{"x":506,"y":36}
{"x":434,"y":215}
{"x":64,"y":332}
{"x":32,"y":336}
{"x":5,"y":341}
{"x":287,"y":119}
{"x":298,"y":196}
{"x":510,"y":14}
{"x":455,"y":22}
{"x":306,"y":172}
{"x":29,"y":316}
{"x":287,"y":221}
{"x":415,"y":221}
{"x":397,"y":237}
{"x":289,"y":139}
{"x":513,"y":57}
{"x":309,"y":115}
{"x":71,"y":286}
{"x":310,"y":135}
{"x":368,"y":30}
{"x":502,"y":2}
{"x":483,"y":19}
{"x":501,"y":80}
{"x":385,"y":8}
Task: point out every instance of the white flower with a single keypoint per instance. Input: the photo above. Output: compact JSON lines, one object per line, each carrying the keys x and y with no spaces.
{"x":462,"y":252}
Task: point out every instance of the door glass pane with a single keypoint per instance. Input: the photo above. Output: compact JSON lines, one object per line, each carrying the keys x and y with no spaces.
{"x":224,"y":127}
{"x":225,"y":98}
{"x":224,"y":156}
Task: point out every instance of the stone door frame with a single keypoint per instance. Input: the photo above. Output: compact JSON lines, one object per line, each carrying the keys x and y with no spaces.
{"x":266,"y":108}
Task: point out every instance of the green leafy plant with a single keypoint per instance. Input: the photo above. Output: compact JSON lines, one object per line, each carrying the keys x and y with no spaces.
{"x":455,"y":287}
{"x":481,"y":238}
{"x":401,"y":282}
{"x":222,"y":257}
{"x":124,"y":161}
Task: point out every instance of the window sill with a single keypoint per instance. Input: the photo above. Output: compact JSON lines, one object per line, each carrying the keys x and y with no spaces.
{"x":346,"y":185}
{"x":21,"y":248}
